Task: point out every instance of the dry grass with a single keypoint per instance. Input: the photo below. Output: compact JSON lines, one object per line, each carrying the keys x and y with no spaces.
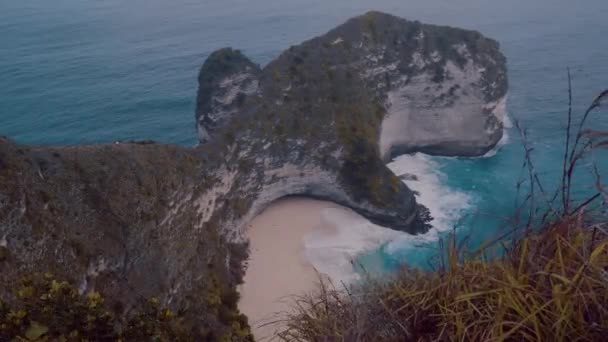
{"x":548,"y":284}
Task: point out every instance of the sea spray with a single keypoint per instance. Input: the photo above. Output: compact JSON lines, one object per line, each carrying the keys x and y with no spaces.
{"x":446,"y":205}
{"x":507,"y":124}
{"x":345,"y":235}
{"x":502,"y":142}
{"x":349,"y":245}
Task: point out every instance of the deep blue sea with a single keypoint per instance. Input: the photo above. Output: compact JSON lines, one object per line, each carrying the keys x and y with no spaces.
{"x":88,"y":71}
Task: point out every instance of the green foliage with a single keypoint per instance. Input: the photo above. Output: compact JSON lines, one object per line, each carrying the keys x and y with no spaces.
{"x":369,"y":25}
{"x":220,"y":64}
{"x":152,"y":322}
{"x":240,"y":206}
{"x":363,"y":170}
{"x":549,"y":286}
{"x":45,"y":309}
{"x":534,"y":283}
{"x":223,"y":302}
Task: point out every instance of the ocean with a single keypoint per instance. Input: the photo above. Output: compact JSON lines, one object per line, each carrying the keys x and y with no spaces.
{"x":91,"y":71}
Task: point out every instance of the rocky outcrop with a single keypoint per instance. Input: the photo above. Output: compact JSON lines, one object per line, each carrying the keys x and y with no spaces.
{"x":442,"y":90}
{"x":137,"y":220}
{"x":321,"y":118}
{"x":123,"y":219}
{"x":225,"y":80}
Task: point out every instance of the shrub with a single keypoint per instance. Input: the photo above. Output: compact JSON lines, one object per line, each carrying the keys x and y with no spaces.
{"x":550,"y":286}
{"x":45,"y":309}
{"x":546,"y":280}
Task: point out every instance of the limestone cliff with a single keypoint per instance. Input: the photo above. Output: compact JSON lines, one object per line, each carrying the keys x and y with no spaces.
{"x":139,"y":220}
{"x":321,"y":118}
{"x":435,"y":89}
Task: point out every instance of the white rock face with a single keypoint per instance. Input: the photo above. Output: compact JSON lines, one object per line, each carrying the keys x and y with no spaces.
{"x":225,"y":102}
{"x":203,"y":135}
{"x":499,"y":110}
{"x":306,"y":123}
{"x":225,"y":80}
{"x":451,"y":117}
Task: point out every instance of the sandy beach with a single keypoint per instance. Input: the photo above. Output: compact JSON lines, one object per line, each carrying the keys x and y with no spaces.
{"x":278,"y":268}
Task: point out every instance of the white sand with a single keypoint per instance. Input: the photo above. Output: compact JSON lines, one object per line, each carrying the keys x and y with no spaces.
{"x":278,"y":268}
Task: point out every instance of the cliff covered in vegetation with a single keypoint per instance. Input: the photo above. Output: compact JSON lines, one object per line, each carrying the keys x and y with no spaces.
{"x":139,"y":220}
{"x":543,"y":278}
{"x":548,"y":286}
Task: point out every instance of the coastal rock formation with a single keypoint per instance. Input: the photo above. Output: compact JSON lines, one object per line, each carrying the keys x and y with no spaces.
{"x":125,"y":220}
{"x":321,"y":118}
{"x":135,"y":220}
{"x":438,"y":90}
{"x":227,"y":79}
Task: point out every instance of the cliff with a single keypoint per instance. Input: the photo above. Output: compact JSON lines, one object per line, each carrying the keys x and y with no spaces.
{"x":142,"y":220}
{"x":414,"y":87}
{"x":321,"y":119}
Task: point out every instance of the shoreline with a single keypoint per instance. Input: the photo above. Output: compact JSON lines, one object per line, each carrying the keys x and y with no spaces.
{"x":297,"y":241}
{"x":278,"y":268}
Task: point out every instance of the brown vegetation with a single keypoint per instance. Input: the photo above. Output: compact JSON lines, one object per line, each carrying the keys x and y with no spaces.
{"x":546,"y":280}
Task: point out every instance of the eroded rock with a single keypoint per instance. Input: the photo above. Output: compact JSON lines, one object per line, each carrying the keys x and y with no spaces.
{"x":141,"y":220}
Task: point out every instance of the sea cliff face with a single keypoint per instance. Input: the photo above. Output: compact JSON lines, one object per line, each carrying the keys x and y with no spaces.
{"x":136,"y":220}
{"x":322,"y":117}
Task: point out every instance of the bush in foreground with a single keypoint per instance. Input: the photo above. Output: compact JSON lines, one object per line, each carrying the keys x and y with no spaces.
{"x":45,"y":309}
{"x":549,"y":283}
{"x":549,"y":286}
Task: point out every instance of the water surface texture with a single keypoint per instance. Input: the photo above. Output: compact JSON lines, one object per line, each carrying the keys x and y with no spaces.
{"x":82,"y":71}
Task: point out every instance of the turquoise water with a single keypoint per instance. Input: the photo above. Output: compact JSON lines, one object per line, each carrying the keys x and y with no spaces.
{"x":83,"y":71}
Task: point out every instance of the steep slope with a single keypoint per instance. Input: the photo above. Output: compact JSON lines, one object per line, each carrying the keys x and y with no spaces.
{"x":141,"y":220}
{"x":414,"y":87}
{"x":125,"y":220}
{"x":325,"y":114}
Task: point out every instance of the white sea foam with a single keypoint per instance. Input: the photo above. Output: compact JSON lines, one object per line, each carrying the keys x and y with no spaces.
{"x":506,"y":121}
{"x":507,"y":124}
{"x":445,"y":204}
{"x":502,"y":142}
{"x":331,"y":251}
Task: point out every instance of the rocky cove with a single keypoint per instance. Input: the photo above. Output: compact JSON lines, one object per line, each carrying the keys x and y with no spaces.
{"x":139,"y":219}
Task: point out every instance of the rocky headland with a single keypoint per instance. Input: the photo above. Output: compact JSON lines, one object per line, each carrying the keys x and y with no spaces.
{"x":142,"y":220}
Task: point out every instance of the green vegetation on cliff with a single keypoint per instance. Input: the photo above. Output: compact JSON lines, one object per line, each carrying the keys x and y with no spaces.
{"x":549,"y":286}
{"x":545,"y":280}
{"x":45,"y":309}
{"x":100,"y":219}
{"x":152,"y":235}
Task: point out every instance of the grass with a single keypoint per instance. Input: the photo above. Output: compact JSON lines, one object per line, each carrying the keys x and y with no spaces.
{"x":546,"y":280}
{"x":550,"y":286}
{"x":51,"y":310}
{"x":45,"y":309}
